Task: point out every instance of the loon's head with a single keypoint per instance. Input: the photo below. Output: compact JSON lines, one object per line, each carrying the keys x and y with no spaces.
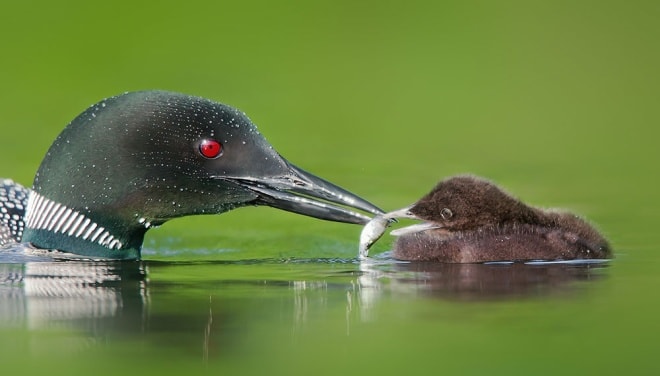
{"x":139,"y":159}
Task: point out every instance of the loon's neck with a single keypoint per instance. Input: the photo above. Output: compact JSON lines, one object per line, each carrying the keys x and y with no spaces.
{"x":52,"y":225}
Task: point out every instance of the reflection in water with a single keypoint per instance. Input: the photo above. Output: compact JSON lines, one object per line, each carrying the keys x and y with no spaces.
{"x":86,"y":294}
{"x":206,"y":348}
{"x":114,"y":297}
{"x":387,"y":279}
{"x":475,"y":281}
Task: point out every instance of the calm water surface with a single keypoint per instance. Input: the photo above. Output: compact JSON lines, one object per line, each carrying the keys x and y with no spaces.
{"x":305,"y":316}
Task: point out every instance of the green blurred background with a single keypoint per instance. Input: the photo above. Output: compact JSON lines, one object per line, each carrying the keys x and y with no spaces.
{"x":555,"y":100}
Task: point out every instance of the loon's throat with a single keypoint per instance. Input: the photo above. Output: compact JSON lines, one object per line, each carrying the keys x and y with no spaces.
{"x":48,"y":215}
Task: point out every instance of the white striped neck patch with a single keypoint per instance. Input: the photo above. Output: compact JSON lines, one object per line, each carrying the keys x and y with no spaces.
{"x":48,"y":215}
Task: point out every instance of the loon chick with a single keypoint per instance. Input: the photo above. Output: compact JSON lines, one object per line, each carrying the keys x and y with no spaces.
{"x":468,"y":220}
{"x":137,"y":160}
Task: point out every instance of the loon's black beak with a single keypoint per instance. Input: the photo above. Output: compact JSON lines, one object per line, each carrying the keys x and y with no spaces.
{"x":300,"y":192}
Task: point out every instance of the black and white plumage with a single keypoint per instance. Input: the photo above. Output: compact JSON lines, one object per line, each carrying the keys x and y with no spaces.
{"x":13,"y":204}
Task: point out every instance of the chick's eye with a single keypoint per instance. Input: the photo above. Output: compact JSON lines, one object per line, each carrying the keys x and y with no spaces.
{"x":210,"y":148}
{"x":446,"y":213}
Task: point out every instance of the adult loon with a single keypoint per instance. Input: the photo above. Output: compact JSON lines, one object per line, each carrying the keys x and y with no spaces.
{"x":468,"y":220}
{"x":134,"y":161}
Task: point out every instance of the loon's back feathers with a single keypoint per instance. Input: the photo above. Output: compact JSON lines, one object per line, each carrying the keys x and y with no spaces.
{"x":13,"y":201}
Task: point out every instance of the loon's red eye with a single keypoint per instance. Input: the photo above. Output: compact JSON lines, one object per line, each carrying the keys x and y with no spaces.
{"x":210,"y":148}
